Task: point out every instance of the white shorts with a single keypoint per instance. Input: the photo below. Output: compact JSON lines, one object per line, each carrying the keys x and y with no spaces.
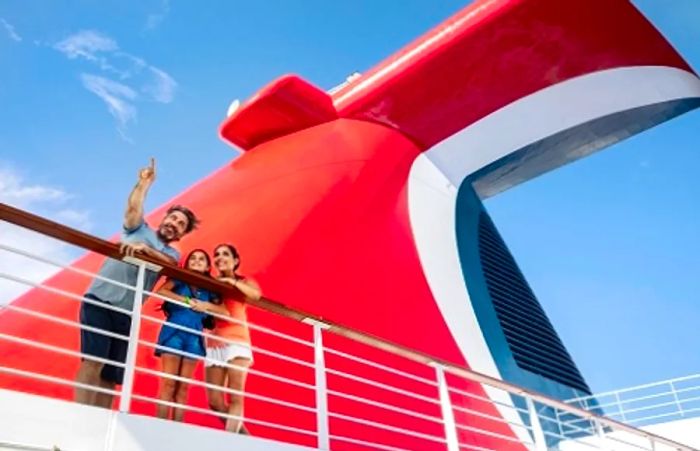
{"x":222,"y":355}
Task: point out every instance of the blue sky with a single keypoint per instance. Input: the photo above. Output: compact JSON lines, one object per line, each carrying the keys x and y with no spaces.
{"x":610,"y":244}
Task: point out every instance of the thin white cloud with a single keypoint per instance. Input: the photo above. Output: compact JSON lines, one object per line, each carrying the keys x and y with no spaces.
{"x":44,"y":200}
{"x":136,"y":64}
{"x":120,"y":98}
{"x":11,"y":31}
{"x":92,"y":46}
{"x":14,"y":191}
{"x":153,"y":20}
{"x":163,"y":87}
{"x":79,"y":219}
{"x":117,"y":96}
{"x":86,"y":44}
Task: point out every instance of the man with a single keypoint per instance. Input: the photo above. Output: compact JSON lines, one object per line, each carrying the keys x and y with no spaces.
{"x":137,"y":239}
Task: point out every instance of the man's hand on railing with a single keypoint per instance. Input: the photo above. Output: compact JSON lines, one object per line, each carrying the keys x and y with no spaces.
{"x":131,"y":249}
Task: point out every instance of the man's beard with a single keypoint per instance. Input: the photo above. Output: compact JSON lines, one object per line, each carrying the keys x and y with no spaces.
{"x":165,"y":238}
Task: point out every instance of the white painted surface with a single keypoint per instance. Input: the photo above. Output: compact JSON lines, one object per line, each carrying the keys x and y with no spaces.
{"x":685,"y":432}
{"x":431,"y":205}
{"x":555,"y":109}
{"x":44,"y":423}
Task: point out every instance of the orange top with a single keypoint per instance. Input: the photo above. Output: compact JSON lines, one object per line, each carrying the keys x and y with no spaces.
{"x":235,"y":330}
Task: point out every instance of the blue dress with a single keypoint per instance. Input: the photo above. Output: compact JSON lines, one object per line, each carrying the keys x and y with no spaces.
{"x":177,"y":339}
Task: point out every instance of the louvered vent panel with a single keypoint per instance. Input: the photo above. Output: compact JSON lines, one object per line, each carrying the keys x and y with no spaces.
{"x":535,"y":345}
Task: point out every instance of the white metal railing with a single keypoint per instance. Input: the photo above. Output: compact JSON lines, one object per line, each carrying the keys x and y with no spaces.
{"x":25,"y":447}
{"x":646,"y":404}
{"x":362,"y":400}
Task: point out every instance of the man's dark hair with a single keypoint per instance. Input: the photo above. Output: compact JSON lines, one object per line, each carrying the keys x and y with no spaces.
{"x":192,"y":221}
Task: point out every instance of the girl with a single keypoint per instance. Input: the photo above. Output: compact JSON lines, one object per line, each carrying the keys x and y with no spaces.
{"x":174,"y":362}
{"x":236,"y":349}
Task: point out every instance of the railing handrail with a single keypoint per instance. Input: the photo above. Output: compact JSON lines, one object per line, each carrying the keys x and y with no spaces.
{"x":635,"y":388}
{"x":89,"y":242}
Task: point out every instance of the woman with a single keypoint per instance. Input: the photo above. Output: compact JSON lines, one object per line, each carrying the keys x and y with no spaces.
{"x":236,"y":350}
{"x":176,"y":345}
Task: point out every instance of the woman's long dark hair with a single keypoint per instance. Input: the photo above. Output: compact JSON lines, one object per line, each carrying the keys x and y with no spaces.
{"x":234,"y":253}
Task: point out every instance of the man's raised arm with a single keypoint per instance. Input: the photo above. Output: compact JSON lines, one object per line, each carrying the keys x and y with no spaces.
{"x":134,"y":206}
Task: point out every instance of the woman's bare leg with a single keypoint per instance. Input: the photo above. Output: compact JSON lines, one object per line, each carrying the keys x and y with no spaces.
{"x":187,"y":368}
{"x":216,"y":375}
{"x":170,"y":365}
{"x":236,"y":381}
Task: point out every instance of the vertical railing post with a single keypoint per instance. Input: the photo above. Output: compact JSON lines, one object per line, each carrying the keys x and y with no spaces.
{"x":675,"y":396}
{"x":602,"y":442}
{"x":558,"y":418}
{"x":448,"y":416}
{"x":321,"y":389}
{"x":129,"y":370}
{"x":537,"y":432}
{"x":620,"y":408}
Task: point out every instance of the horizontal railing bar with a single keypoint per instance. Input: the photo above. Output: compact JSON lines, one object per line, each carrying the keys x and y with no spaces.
{"x":381,"y":385}
{"x":65,"y":322}
{"x":577,"y":420}
{"x":380,"y":366}
{"x":482,"y":398}
{"x":225,"y":340}
{"x":636,"y":387}
{"x":364,"y":443}
{"x":491,"y":434}
{"x":489,"y":417}
{"x":68,"y":294}
{"x":55,"y":380}
{"x":386,"y":427}
{"x":644,"y":398}
{"x":474,"y":447}
{"x":386,"y":406}
{"x":655,"y":406}
{"x":59,"y":350}
{"x":24,"y":447}
{"x":641,"y":398}
{"x":70,"y":268}
{"x":625,"y":442}
{"x":575,"y":440}
{"x":686,"y":389}
{"x":568,"y":425}
{"x":230,"y":391}
{"x":229,"y":365}
{"x":223,"y":415}
{"x":566,"y":429}
{"x":236,"y":321}
{"x":662,"y":415}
